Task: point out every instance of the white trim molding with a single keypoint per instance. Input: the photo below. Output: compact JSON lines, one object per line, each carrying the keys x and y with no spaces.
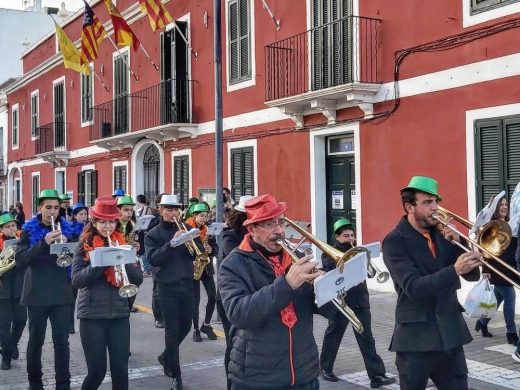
{"x":15,"y":108}
{"x":138,"y":151}
{"x":179,"y":153}
{"x":243,"y":144}
{"x":64,"y":170}
{"x":120,"y":164}
{"x":485,"y":16}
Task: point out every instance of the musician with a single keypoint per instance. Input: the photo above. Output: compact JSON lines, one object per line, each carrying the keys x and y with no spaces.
{"x":270,"y":306}
{"x":198,"y":215}
{"x":13,"y":316}
{"x":174,"y":278}
{"x":103,"y":313}
{"x":430,"y":332}
{"x":46,"y":292}
{"x":358,"y":300}
{"x":65,"y":210}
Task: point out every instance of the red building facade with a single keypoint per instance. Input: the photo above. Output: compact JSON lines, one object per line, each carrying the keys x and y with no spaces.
{"x":331,"y":105}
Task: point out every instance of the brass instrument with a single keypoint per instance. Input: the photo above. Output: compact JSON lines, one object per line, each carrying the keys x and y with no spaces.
{"x":373,"y":270}
{"x":338,"y":257}
{"x":188,"y":244}
{"x":127,"y":289}
{"x":7,"y":260}
{"x":201,"y":259}
{"x":64,"y":258}
{"x":492,"y":239}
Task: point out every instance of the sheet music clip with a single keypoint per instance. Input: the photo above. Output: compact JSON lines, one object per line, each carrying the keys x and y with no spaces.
{"x":143,"y":222}
{"x":106,"y":256}
{"x":66,"y":248}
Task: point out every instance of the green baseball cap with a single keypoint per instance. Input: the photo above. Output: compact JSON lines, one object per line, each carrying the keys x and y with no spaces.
{"x":340,"y":223}
{"x":423,"y":184}
{"x":64,"y":197}
{"x":48,"y":194}
{"x":6,"y":218}
{"x":125,"y":200}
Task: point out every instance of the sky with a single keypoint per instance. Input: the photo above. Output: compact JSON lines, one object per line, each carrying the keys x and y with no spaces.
{"x":70,"y":5}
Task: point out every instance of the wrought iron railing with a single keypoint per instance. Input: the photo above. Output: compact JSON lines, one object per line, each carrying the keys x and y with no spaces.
{"x":167,"y":102}
{"x":51,"y":137}
{"x":337,"y":53}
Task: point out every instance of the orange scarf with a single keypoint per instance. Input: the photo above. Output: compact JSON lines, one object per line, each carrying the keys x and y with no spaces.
{"x":203,"y":230}
{"x":98,"y":241}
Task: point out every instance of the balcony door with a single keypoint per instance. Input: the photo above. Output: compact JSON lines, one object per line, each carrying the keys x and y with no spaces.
{"x":151,"y":169}
{"x":331,"y":43}
{"x":175,"y":88}
{"x":59,"y":116}
{"x":121,"y":94}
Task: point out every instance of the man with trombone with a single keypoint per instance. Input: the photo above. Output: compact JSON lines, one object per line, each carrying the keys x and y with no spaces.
{"x":425,"y":266}
{"x":47,"y":291}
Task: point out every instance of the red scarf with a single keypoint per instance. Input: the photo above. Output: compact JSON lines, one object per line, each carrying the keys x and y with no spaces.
{"x":98,"y":241}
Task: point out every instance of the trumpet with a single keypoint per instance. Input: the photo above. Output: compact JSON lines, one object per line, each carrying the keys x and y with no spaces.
{"x":201,"y":259}
{"x":339,"y":257}
{"x":127,"y":289}
{"x":64,"y":258}
{"x":373,"y":270}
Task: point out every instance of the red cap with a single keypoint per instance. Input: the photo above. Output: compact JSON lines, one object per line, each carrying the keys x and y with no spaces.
{"x":262,"y":208}
{"x":105,"y":208}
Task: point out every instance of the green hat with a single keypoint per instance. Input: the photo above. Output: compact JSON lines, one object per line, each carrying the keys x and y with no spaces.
{"x":340,"y":223}
{"x":48,"y":194}
{"x":6,"y":218}
{"x":125,"y":200}
{"x":424,"y":184}
{"x":64,"y":197}
{"x":198,"y":208}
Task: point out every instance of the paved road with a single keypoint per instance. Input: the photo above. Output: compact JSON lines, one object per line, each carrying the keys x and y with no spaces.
{"x":489,"y":360}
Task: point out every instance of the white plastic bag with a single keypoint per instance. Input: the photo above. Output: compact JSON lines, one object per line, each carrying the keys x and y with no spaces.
{"x":481,"y":300}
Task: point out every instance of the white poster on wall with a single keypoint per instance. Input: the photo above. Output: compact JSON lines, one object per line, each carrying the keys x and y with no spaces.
{"x":337,"y":200}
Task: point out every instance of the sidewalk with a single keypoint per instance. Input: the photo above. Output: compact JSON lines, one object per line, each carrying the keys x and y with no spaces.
{"x":489,"y":360}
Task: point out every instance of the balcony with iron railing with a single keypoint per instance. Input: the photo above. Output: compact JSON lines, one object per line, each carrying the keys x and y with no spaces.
{"x":161,"y":112}
{"x":51,"y":143}
{"x":329,"y":67}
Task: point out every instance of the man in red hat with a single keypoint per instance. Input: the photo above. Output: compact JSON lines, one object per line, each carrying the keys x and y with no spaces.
{"x":270,"y":306}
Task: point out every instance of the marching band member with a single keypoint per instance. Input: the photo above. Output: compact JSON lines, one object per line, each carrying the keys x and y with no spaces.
{"x":103,"y":313}
{"x":198,"y":215}
{"x":430,"y":331}
{"x":13,"y":316}
{"x":358,"y":299}
{"x":174,"y":278}
{"x":270,"y":306}
{"x":65,"y":210}
{"x":46,"y":291}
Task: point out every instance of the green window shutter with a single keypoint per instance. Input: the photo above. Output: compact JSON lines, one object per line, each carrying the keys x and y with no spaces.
{"x":236,"y":174}
{"x":244,"y":39}
{"x":94,"y":187}
{"x":242,"y":172}
{"x":233,"y":41}
{"x":239,"y":29}
{"x":36,"y":193}
{"x":81,"y":187}
{"x":488,"y":160}
{"x":249,"y":173}
{"x":512,"y":154}
{"x":181,"y":183}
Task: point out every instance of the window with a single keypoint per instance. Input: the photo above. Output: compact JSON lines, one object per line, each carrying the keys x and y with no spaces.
{"x":239,"y":55}
{"x":181,"y":179}
{"x":14,"y":127}
{"x":120,"y":177}
{"x":34,"y":115}
{"x":86,"y":98}
{"x":87,"y":187}
{"x":497,"y":143}
{"x":242,"y":172}
{"x":35,"y":193}
{"x":485,"y":5}
{"x":60,"y":182}
{"x":121,"y":88}
{"x":17,"y":190}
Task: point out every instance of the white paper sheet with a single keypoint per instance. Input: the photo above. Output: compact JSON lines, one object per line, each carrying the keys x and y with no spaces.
{"x":185,"y":237}
{"x":114,"y":255}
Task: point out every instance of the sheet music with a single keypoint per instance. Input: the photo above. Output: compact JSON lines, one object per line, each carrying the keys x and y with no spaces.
{"x":216,"y":228}
{"x":185,"y":237}
{"x":143,"y":222}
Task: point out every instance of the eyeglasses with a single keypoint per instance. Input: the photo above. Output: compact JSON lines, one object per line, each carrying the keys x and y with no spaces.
{"x":270,"y":225}
{"x":106,"y":223}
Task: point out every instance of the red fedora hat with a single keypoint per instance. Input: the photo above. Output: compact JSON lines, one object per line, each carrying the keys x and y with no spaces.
{"x":262,"y":208}
{"x":105,"y":208}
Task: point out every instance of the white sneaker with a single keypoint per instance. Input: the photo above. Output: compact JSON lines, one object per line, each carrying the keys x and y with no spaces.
{"x":516,"y":356}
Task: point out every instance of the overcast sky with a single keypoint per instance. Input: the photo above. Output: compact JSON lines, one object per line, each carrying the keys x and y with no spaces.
{"x":70,"y":5}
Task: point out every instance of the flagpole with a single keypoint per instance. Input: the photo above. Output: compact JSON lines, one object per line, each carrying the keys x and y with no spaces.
{"x":123,"y":58}
{"x":149,"y":58}
{"x":185,"y":40}
{"x":99,"y":78}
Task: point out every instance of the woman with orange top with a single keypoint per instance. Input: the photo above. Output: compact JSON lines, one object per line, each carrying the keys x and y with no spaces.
{"x":103,"y":313}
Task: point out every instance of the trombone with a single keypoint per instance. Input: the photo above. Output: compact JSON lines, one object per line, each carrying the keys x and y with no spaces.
{"x":339,"y":257}
{"x":492,"y":239}
{"x":373,"y":270}
{"x":128,"y":289}
{"x":64,"y":258}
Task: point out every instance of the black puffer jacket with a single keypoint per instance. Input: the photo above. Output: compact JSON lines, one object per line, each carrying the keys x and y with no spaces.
{"x":97,"y":298}
{"x":265,"y":353}
{"x":11,"y":283}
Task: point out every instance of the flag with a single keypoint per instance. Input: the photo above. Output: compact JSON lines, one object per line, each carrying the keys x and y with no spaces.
{"x":158,"y":15}
{"x":122,"y":31}
{"x":70,"y":53}
{"x":91,"y":36}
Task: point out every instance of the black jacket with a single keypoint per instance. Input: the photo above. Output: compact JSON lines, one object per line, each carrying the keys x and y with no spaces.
{"x":357,"y":296}
{"x":263,"y":348}
{"x":97,"y":298}
{"x":428,"y":316}
{"x":45,"y":283}
{"x":231,"y":239}
{"x":172,"y":264}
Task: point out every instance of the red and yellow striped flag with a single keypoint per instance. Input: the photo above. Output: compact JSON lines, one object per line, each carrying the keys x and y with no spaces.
{"x":91,"y":36}
{"x":158,"y":15}
{"x":122,"y":31}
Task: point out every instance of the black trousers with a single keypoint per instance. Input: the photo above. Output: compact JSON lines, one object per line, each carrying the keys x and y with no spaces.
{"x":156,"y":306}
{"x":12,"y":323}
{"x":73,"y":309}
{"x":176,"y":302}
{"x":367,"y":346}
{"x":96,"y":337}
{"x":447,"y":369}
{"x":227,"y":326}
{"x":59,"y":316}
{"x":211,"y":291}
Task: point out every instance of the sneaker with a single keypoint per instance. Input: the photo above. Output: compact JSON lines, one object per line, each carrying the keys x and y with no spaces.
{"x":196,"y":336}
{"x":208,"y":330}
{"x":516,"y":356}
{"x":159,"y":324}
